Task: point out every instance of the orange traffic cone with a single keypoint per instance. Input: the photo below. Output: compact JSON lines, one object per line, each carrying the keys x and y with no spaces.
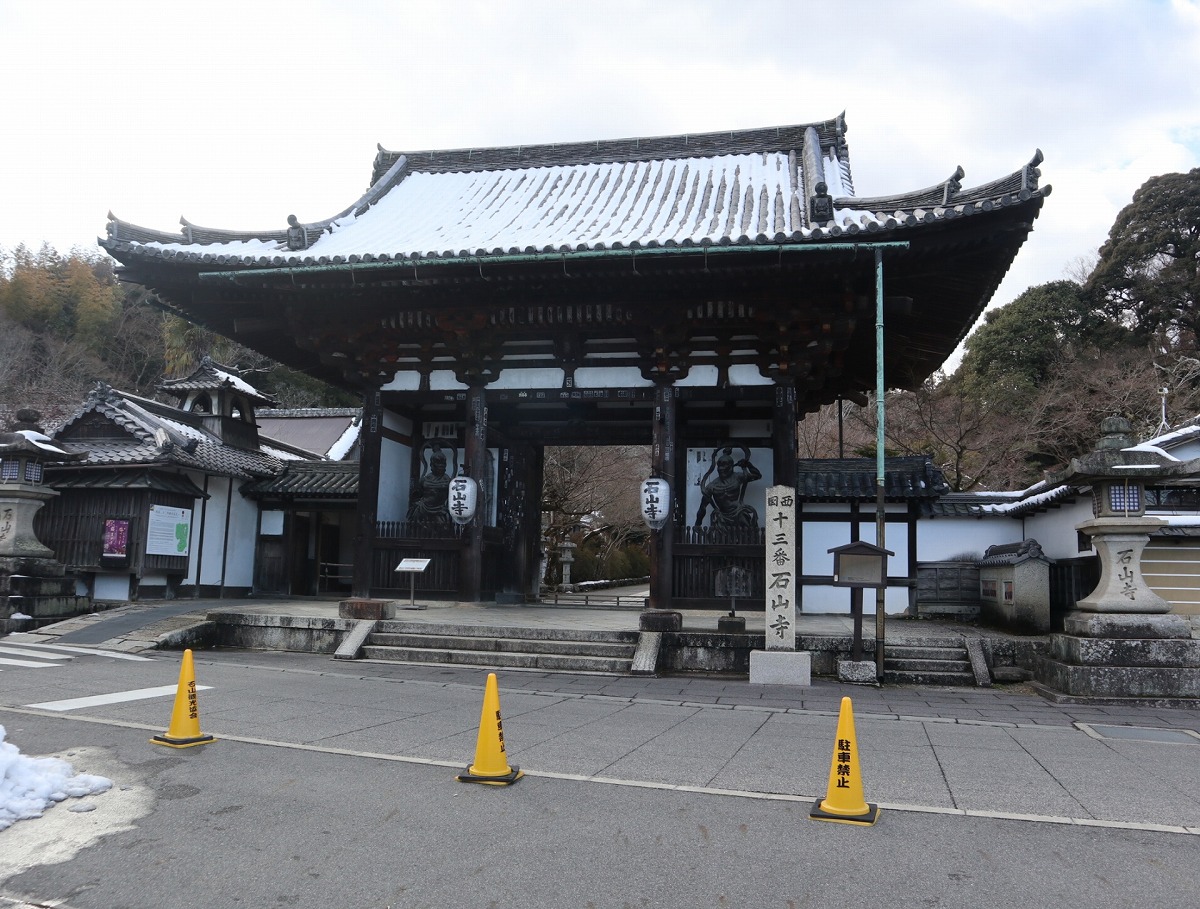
{"x":184,"y":731}
{"x":491,"y":765}
{"x":844,"y":802}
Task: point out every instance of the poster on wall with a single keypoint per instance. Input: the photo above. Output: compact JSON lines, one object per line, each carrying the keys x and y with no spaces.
{"x":168,"y":531}
{"x":114,"y":547}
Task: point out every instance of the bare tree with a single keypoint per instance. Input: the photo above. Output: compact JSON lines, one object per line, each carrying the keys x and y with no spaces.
{"x":592,"y":492}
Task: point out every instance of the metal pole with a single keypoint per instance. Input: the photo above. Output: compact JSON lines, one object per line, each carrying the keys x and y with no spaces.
{"x":880,"y":513}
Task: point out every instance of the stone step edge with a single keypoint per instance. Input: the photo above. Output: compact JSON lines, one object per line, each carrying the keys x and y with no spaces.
{"x":506,"y":659}
{"x":501,"y":645}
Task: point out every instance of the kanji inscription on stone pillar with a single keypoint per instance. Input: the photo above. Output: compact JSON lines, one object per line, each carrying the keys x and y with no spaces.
{"x":781,"y":587}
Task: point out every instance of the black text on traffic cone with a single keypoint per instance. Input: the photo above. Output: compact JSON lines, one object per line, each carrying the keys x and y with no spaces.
{"x":844,"y":802}
{"x":491,"y":764}
{"x":184,"y":731}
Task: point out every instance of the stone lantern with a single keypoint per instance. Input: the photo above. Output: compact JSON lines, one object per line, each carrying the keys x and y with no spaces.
{"x":1120,"y":642}
{"x":1120,"y":529}
{"x":32,"y":581}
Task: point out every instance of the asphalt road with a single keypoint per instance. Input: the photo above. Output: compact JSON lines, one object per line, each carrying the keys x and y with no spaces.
{"x":332,"y":784}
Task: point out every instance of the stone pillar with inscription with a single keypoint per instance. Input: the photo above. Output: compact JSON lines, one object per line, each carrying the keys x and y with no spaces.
{"x":780,"y":663}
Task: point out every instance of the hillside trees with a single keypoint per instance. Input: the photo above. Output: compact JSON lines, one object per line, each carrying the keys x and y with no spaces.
{"x":67,"y":322}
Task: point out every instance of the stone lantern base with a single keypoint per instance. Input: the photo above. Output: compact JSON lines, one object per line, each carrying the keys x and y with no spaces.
{"x":38,"y":588}
{"x":32,"y":582}
{"x":1122,"y":657}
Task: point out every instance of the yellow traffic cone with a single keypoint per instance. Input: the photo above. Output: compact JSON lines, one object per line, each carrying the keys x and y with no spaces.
{"x":491,"y":765}
{"x":184,"y":731}
{"x":844,"y":802}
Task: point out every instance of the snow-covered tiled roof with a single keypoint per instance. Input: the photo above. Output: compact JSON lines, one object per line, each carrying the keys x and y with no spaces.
{"x":212,"y":376}
{"x":759,"y":187}
{"x":148,"y":436}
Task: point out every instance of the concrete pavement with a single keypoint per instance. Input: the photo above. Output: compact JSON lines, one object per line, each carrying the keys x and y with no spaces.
{"x":1000,"y":752}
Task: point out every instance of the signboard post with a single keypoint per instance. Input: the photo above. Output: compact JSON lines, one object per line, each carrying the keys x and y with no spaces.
{"x":857,"y":565}
{"x":413,"y":567}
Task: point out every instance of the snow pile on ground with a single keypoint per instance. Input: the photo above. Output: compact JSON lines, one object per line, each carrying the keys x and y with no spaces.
{"x":30,"y":785}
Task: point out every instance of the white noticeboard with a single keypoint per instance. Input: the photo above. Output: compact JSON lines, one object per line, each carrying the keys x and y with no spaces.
{"x":413,"y":564}
{"x":169,"y":531}
{"x":413,"y":567}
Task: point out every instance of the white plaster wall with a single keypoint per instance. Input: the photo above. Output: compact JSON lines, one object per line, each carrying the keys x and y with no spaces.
{"x":817,"y":538}
{"x":822,"y":600}
{"x":943,"y":537}
{"x":197,"y":517}
{"x":112,"y":586}
{"x":530,"y":377}
{"x":395,"y":470}
{"x":243,"y":528}
{"x":1055,"y":529}
{"x":212,"y":532}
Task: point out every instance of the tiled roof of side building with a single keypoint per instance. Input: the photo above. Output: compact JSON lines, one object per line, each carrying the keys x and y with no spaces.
{"x":309,"y":479}
{"x":840,"y":479}
{"x":142,"y":436}
{"x":212,"y":376}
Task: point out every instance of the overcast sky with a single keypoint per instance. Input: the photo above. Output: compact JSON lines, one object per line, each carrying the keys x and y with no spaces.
{"x":237,"y":114}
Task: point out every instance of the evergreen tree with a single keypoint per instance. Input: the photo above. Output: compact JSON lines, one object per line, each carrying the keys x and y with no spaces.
{"x":1148,"y":276}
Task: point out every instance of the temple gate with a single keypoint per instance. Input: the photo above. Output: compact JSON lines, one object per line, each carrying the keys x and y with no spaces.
{"x":697,"y":294}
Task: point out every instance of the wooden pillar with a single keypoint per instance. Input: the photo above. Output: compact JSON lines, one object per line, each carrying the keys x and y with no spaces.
{"x":663,"y":461}
{"x":534,"y":479}
{"x":520,"y":520}
{"x":783,"y":432}
{"x":370,"y":444}
{"x":471,"y":579}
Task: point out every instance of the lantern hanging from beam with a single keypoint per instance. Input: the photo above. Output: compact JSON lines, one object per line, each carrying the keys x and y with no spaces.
{"x":656,"y":502}
{"x":462,"y":499}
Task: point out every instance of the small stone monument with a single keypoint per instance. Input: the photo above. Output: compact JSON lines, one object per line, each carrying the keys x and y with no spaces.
{"x":1120,"y":642}
{"x":32,"y":582}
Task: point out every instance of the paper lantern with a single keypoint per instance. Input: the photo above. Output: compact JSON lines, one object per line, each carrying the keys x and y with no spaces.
{"x":656,"y":503}
{"x":462,"y":499}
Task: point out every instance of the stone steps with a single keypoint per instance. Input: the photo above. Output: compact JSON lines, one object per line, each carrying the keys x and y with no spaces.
{"x":916,"y":664}
{"x":503,"y":648}
{"x":615,"y":650}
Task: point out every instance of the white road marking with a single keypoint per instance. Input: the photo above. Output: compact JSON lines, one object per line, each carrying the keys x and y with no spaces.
{"x":104,"y":653}
{"x":26,"y":663}
{"x":99,"y":700}
{"x":40,"y":654}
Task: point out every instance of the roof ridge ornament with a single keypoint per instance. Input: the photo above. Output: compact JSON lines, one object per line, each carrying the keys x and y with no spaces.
{"x":297,"y":234}
{"x":1030,"y":173}
{"x":953,"y":185}
{"x":816,"y":188}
